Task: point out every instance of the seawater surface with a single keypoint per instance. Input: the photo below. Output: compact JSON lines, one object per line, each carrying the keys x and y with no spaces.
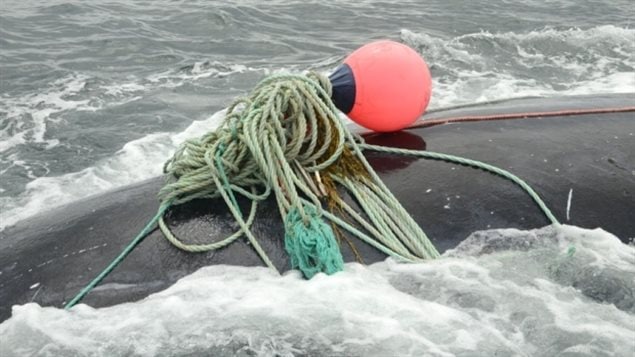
{"x":547,"y":292}
{"x":97,"y":94}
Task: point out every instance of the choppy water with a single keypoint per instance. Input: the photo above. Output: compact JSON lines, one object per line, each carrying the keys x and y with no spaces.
{"x":500,"y":293}
{"x":95,"y":95}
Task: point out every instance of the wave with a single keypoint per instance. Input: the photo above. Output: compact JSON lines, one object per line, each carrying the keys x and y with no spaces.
{"x":501,"y":292}
{"x":469,"y":68}
{"x":24,"y":119}
{"x":488,"y":66}
{"x":25,"y":122}
{"x":137,"y":160}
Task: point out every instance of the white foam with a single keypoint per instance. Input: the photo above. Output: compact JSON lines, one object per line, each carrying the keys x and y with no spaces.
{"x":600,"y":59}
{"x":199,"y":70}
{"x":465,"y":75}
{"x":40,"y":108}
{"x":31,"y":112}
{"x":137,"y":160}
{"x":505,"y":302}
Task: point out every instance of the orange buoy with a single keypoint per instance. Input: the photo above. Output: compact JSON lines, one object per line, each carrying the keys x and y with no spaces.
{"x":383,"y":86}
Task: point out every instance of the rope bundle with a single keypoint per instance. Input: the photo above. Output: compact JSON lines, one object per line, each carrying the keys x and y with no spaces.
{"x":286,"y":139}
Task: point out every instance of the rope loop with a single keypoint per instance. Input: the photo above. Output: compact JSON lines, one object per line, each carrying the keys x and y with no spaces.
{"x":287,"y":137}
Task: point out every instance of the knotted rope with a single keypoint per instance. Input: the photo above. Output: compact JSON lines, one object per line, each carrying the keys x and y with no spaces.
{"x":286,"y":139}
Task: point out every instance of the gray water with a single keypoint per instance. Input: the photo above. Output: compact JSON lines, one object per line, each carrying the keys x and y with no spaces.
{"x":93,"y":93}
{"x":97,"y":94}
{"x":500,"y":293}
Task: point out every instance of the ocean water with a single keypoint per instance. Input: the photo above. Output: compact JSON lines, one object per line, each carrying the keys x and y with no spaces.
{"x":96,"y":95}
{"x":499,"y":293}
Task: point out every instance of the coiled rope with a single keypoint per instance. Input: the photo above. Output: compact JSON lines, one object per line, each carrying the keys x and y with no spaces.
{"x":286,"y":139}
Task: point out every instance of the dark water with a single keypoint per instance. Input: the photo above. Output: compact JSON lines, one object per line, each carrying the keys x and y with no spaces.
{"x":96,"y":94}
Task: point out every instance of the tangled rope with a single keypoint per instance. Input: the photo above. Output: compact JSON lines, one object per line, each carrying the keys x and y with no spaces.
{"x":286,"y":139}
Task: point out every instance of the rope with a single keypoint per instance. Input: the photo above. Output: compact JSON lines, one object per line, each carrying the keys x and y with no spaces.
{"x":127,"y":250}
{"x":287,"y":139}
{"x":474,"y":163}
{"x":426,"y":123}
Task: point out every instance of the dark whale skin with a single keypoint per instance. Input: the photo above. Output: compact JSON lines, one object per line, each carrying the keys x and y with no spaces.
{"x":50,"y":257}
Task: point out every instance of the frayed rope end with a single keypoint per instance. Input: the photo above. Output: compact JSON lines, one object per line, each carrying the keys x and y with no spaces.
{"x":311,"y":246}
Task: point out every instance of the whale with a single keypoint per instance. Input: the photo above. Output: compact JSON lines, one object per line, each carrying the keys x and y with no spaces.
{"x":580,"y":159}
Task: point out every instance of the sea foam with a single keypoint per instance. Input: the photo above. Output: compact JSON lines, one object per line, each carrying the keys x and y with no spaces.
{"x":501,"y":292}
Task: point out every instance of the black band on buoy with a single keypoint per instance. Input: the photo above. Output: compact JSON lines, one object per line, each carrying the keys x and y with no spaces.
{"x":343,"y":83}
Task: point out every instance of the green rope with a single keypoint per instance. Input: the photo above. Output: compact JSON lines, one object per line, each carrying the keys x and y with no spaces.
{"x":307,"y":251}
{"x":127,"y":250}
{"x":474,"y":163}
{"x":285,"y":132}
